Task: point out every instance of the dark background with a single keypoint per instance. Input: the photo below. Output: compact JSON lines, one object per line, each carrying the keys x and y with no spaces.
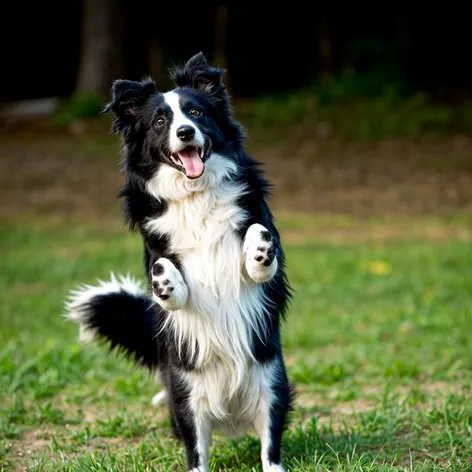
{"x":266,"y":47}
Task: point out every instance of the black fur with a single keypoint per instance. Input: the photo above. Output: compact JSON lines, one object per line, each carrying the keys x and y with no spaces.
{"x":128,"y":323}
{"x":141,"y":116}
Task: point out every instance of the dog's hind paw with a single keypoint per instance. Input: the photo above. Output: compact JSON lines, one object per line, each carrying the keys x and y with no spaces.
{"x":273,"y":468}
{"x":261,"y":254}
{"x":159,"y":398}
{"x":168,"y":287}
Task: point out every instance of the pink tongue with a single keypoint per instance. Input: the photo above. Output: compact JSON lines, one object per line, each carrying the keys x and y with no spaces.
{"x":192,"y":163}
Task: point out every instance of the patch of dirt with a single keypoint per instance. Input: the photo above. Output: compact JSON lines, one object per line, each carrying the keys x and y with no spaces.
{"x":364,"y":180}
{"x":36,"y":442}
{"x":24,"y":449}
{"x":48,"y":171}
{"x":334,"y":412}
{"x":434,"y":390}
{"x":330,"y":411}
{"x":92,"y":412}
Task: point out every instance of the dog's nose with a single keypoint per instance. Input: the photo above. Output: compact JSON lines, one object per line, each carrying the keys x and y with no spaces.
{"x":186,"y":132}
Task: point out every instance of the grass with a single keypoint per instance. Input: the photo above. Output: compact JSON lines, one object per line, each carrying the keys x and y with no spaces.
{"x":377,"y":340}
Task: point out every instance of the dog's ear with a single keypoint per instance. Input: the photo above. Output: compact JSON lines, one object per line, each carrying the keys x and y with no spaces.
{"x":199,"y":75}
{"x":126,"y":97}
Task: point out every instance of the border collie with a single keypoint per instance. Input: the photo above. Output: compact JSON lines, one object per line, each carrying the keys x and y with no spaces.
{"x":215,"y":266}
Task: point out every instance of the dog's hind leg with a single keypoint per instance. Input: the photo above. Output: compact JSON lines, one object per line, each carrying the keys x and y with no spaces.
{"x":158,"y":398}
{"x":189,"y":425}
{"x":271,"y":418}
{"x":203,"y":441}
{"x":196,"y":436}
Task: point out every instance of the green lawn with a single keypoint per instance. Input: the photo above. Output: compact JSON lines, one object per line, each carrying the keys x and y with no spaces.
{"x":378,"y":341}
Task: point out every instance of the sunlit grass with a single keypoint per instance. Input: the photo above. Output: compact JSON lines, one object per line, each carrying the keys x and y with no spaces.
{"x":377,"y":340}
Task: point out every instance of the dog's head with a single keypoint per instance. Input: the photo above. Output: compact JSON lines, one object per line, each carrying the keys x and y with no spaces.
{"x":180,"y":128}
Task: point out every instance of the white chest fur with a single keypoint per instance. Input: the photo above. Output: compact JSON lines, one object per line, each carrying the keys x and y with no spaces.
{"x":224,"y":306}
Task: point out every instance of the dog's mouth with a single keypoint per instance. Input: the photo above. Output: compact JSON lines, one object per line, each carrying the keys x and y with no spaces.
{"x":191,"y":160}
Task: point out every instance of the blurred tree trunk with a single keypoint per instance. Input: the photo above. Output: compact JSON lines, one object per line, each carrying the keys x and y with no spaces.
{"x":220,"y":53}
{"x":402,"y":27}
{"x":325,"y":45}
{"x":156,"y":63}
{"x":101,"y":51}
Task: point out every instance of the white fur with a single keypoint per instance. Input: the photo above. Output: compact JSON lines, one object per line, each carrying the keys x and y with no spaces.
{"x":267,"y":467}
{"x":201,"y":222}
{"x":253,"y":242}
{"x":77,"y":306}
{"x":231,"y":414}
{"x":179,"y":293}
{"x":179,"y":119}
{"x":203,"y":432}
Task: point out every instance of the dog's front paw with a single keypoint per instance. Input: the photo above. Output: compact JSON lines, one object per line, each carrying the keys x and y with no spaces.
{"x":168,"y":287}
{"x":261,"y":254}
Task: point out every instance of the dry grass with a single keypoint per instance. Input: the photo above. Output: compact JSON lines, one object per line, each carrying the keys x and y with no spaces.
{"x":50,"y":171}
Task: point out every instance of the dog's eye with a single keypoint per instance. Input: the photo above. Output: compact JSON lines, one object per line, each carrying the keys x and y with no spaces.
{"x":160,"y":121}
{"x":195,"y":112}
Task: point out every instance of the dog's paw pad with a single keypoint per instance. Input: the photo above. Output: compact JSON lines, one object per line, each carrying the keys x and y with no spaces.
{"x":161,"y":286}
{"x":168,"y":287}
{"x":265,"y":255}
{"x":162,"y":289}
{"x":157,"y":269}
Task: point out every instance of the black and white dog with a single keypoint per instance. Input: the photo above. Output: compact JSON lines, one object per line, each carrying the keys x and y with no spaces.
{"x":213,"y":260}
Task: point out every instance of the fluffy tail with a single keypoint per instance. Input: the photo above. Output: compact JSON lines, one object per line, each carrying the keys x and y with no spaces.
{"x":118,"y":311}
